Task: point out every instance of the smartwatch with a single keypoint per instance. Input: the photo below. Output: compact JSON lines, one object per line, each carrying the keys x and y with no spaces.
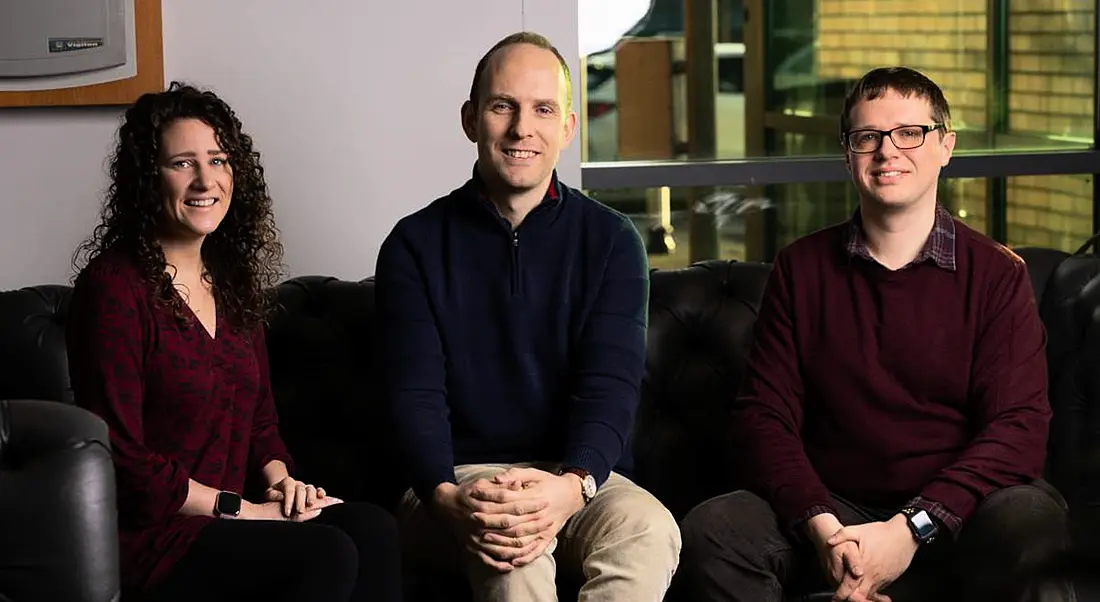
{"x":227,"y":504}
{"x":588,"y":482}
{"x":922,"y":526}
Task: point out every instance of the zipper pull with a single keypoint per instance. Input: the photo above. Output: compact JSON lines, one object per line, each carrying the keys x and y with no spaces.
{"x":515,"y":239}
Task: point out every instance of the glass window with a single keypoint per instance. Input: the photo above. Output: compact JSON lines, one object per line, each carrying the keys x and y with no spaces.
{"x":1050,"y":211}
{"x":1020,"y":77}
{"x":683,"y":225}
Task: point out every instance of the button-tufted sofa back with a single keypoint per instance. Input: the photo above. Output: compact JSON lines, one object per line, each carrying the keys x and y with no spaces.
{"x":700,"y":330}
{"x":322,"y":347}
{"x":323,"y":361}
{"x":33,"y":363}
{"x":1068,"y":291}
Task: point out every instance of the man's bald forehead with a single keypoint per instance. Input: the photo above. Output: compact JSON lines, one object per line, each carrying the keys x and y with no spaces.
{"x":517,"y":42}
{"x":502,"y":55}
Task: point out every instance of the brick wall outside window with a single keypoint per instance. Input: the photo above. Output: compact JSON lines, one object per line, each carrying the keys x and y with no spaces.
{"x":1050,"y":89}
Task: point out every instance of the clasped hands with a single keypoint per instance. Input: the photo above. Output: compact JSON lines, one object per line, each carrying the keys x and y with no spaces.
{"x":291,"y":500}
{"x":862,"y":560}
{"x":508,"y":521}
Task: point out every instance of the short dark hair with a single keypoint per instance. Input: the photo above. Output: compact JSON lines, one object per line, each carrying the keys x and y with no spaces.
{"x":522,"y":37}
{"x":903,"y":80}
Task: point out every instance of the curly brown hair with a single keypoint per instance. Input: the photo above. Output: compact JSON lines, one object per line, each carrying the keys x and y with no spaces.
{"x":242,"y":257}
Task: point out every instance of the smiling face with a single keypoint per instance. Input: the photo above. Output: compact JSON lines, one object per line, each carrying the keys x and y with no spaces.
{"x":891,"y":178}
{"x":522,"y":118}
{"x":196,"y":180}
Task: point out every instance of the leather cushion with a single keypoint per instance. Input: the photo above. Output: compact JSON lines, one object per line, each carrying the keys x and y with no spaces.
{"x":321,"y":345}
{"x":57,"y":495}
{"x":32,"y":327}
{"x":700,"y":329}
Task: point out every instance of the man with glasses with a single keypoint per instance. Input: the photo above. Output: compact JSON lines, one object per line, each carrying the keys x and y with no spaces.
{"x":893,"y":413}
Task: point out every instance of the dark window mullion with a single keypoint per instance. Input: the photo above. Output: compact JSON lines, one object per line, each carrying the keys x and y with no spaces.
{"x":997,"y":112}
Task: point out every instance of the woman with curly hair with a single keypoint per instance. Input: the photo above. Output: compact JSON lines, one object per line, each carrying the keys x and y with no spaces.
{"x":166,"y":344}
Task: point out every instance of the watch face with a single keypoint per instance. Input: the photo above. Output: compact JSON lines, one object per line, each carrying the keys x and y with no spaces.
{"x":228,"y":504}
{"x":923,"y":526}
{"x":589,"y":485}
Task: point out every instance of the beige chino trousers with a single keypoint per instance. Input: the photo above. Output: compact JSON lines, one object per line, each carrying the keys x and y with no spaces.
{"x":624,"y":546}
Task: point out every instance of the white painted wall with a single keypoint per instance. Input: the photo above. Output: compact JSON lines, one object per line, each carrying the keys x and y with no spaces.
{"x":353,"y":105}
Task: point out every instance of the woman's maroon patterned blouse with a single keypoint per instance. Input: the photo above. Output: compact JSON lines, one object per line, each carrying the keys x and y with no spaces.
{"x":179,"y":403}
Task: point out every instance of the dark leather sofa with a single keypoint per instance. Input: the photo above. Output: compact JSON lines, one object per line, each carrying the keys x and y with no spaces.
{"x":323,"y":368}
{"x":322,"y":350}
{"x":57,"y":490}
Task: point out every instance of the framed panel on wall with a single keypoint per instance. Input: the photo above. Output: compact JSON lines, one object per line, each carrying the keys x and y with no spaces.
{"x":80,"y":52}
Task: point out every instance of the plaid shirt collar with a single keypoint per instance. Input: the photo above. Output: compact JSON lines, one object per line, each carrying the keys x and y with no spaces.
{"x":939,"y":248}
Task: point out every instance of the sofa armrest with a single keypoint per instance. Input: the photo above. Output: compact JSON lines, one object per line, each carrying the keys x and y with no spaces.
{"x":58,"y":514}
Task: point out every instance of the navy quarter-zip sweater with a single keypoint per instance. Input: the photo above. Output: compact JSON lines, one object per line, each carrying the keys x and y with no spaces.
{"x":512,"y":346}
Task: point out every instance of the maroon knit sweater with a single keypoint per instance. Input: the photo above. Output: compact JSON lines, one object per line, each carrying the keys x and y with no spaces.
{"x":926,"y":384}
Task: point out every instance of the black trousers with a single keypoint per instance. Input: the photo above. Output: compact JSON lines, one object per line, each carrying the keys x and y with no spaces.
{"x":735,"y":550}
{"x":350,"y":553}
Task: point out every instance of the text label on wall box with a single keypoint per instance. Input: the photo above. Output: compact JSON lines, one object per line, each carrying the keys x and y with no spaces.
{"x":71,"y":44}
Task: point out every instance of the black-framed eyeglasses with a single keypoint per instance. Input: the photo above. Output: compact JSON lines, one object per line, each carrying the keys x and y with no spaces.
{"x":904,"y":137}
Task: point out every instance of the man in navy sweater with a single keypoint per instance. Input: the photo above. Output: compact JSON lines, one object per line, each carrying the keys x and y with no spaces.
{"x":514,"y":326}
{"x":893,"y":414}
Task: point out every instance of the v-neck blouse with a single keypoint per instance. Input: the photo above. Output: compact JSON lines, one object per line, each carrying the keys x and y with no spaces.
{"x":179,"y":405}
